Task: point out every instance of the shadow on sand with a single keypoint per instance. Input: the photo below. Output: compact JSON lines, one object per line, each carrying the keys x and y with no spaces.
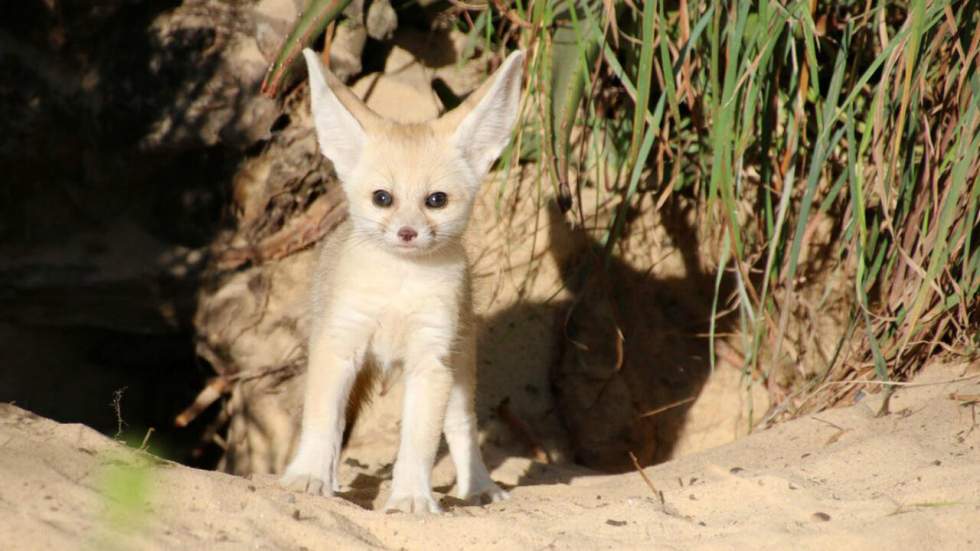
{"x":631,"y":349}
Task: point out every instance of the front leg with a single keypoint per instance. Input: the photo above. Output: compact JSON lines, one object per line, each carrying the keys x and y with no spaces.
{"x":427,"y":387}
{"x":473,"y":482}
{"x":330,"y":378}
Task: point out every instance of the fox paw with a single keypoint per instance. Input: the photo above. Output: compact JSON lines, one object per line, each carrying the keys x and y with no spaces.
{"x":418,"y":504}
{"x":306,"y":483}
{"x":490,"y":493}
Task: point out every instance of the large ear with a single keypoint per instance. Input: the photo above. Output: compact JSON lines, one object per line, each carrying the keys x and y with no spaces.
{"x":482,"y":125}
{"x":342,"y":121}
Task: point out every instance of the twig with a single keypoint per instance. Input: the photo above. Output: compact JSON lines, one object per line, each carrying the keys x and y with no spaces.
{"x":211,"y":392}
{"x":117,"y":408}
{"x":523,"y":431}
{"x":146,"y":439}
{"x":835,"y":425}
{"x":307,"y":229}
{"x":218,"y":386}
{"x":965,"y":397}
{"x":896,"y":383}
{"x":510,"y":15}
{"x":210,"y":434}
{"x":673,"y":405}
{"x":646,"y":479}
{"x":885,"y":408}
{"x":467,"y":6}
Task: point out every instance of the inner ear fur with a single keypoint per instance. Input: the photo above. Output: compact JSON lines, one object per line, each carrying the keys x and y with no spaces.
{"x":368,"y":119}
{"x":449,"y":122}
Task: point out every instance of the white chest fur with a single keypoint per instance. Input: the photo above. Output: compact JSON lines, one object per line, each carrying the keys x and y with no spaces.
{"x":404,"y":306}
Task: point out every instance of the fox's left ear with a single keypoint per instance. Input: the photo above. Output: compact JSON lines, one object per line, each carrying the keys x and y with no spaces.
{"x":482,"y":125}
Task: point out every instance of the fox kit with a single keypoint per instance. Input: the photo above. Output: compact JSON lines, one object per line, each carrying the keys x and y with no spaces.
{"x":392,"y":285}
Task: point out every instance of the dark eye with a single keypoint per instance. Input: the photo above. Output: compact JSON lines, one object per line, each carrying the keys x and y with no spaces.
{"x":436,"y":200}
{"x":382,"y":198}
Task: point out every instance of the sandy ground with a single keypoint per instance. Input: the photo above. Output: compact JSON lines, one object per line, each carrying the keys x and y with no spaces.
{"x":842,"y":479}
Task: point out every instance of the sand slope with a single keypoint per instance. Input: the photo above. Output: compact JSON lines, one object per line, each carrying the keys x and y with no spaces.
{"x":839,"y":480}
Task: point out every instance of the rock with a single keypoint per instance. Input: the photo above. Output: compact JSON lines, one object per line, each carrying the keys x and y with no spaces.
{"x":397,"y":100}
{"x":381,"y":20}
{"x":223,"y":104}
{"x":273,"y":19}
{"x":346,"y":49}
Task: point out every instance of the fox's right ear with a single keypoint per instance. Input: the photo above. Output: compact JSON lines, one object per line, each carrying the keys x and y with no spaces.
{"x":341,"y":119}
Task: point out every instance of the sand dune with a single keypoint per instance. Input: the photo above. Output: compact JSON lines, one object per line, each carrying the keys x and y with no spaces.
{"x":842,"y":479}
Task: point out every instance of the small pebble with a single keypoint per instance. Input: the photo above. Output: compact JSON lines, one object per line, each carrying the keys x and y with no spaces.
{"x":820,"y":517}
{"x":612,"y":522}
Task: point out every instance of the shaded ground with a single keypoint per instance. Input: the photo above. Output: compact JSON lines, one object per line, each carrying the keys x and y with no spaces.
{"x":114,"y":174}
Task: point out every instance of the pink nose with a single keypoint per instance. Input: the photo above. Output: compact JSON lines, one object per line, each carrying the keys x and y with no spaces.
{"x":407,"y":234}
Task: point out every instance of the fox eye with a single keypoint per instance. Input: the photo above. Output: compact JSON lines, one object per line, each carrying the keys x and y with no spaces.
{"x":436,"y":200}
{"x":381,"y":198}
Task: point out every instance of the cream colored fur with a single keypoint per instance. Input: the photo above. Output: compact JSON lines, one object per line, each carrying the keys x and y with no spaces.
{"x":382,"y":300}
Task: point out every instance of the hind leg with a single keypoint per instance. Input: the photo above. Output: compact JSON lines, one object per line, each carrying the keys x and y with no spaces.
{"x":473,"y":482}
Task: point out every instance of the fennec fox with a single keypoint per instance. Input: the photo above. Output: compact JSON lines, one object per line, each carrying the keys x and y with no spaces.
{"x":392,"y":286}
